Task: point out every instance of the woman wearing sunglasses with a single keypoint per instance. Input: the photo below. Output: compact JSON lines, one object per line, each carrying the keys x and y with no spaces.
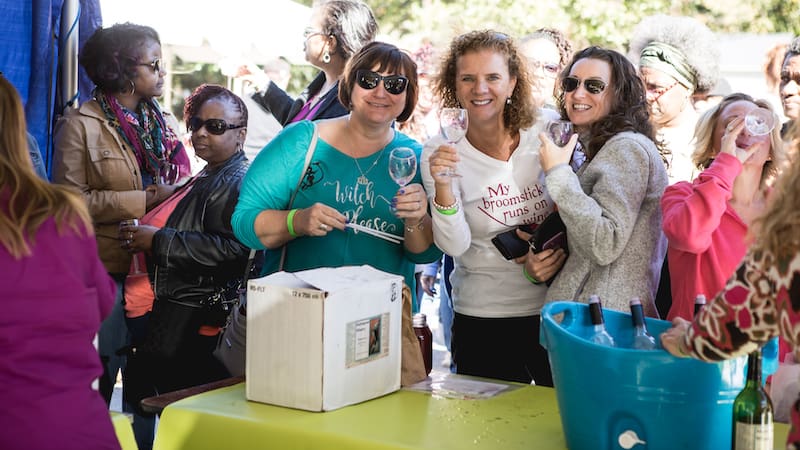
{"x":111,"y":150}
{"x":677,"y":57}
{"x":611,"y":205}
{"x":188,"y":247}
{"x":497,"y":302}
{"x":347,"y":183}
{"x":337,"y":30}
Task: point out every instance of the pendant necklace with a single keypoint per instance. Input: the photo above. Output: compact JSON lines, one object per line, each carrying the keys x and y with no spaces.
{"x":363,"y":180}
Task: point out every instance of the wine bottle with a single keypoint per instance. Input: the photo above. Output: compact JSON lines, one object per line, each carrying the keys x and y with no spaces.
{"x":752,"y":411}
{"x":642,"y":340}
{"x":699,"y":302}
{"x":425,"y":338}
{"x":599,"y":334}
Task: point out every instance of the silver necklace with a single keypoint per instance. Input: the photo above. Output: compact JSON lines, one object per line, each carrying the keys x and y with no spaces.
{"x":363,"y":180}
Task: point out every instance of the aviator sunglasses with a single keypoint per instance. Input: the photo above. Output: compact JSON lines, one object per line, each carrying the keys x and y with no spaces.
{"x":216,"y":127}
{"x":394,"y":84}
{"x":592,"y":86}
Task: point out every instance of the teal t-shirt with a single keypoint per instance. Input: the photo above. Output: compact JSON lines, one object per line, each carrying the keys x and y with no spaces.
{"x":332,"y":179}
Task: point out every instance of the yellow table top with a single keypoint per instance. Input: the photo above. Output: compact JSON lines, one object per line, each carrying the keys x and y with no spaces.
{"x":525,"y":417}
{"x":122,"y":426}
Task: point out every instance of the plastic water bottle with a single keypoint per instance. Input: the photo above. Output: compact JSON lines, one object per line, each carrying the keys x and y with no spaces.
{"x":642,"y":340}
{"x":599,"y":335}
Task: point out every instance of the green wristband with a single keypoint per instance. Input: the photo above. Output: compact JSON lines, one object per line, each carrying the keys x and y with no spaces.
{"x":448,"y":212}
{"x":289,"y":220}
{"x":529,"y":277}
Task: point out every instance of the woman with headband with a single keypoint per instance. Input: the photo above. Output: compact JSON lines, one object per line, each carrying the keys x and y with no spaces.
{"x":676,"y":57}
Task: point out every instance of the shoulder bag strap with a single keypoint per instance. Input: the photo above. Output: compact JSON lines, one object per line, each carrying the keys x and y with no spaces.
{"x":309,"y":153}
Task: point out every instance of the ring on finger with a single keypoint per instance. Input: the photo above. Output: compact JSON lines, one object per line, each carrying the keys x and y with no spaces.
{"x":323,"y":227}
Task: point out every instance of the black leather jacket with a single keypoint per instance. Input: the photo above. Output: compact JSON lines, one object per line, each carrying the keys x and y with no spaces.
{"x":284,"y":108}
{"x":196,"y":253}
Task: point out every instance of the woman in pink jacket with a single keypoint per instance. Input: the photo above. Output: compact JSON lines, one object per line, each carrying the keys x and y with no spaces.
{"x":706,"y":221}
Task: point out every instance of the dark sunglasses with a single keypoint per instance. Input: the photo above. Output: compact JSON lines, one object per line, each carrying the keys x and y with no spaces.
{"x":155,"y":65}
{"x":394,"y":84}
{"x":214,"y":126}
{"x":592,"y":86}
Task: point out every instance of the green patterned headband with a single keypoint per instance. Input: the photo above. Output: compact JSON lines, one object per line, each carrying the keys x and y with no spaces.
{"x":670,"y":60}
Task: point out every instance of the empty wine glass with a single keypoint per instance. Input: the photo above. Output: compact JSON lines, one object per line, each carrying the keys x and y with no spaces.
{"x":559,"y":131}
{"x":453,"y":122}
{"x":759,"y":121}
{"x":402,"y":165}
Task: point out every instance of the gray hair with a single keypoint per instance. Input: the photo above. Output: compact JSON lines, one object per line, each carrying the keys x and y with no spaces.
{"x":793,"y":49}
{"x":693,"y":39}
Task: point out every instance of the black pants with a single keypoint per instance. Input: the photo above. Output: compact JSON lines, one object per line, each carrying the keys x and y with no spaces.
{"x":505,"y":349}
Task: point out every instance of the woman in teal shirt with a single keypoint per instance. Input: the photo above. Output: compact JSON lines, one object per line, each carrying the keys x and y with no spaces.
{"x":347,"y":181}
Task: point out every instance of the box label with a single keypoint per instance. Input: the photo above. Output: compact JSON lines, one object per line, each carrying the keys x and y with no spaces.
{"x":367,"y":340}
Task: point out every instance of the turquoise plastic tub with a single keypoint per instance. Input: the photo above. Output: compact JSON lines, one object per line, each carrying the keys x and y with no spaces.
{"x":620,"y":398}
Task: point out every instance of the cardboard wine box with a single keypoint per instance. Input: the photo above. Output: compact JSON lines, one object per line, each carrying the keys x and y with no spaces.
{"x":324,"y":338}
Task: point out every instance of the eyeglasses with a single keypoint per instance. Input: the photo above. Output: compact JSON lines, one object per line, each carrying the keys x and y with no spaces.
{"x":308,"y":32}
{"x":155,"y":65}
{"x":394,"y":84}
{"x":549,"y":69}
{"x":216,"y":127}
{"x":659,"y":91}
{"x":592,"y":85}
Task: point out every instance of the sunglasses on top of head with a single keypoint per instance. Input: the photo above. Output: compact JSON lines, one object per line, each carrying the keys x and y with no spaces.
{"x":154,"y":64}
{"x":394,"y":84}
{"x":592,"y":86}
{"x":216,"y":127}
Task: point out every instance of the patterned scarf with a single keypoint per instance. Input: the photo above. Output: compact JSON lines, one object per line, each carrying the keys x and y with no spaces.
{"x":145,"y":131}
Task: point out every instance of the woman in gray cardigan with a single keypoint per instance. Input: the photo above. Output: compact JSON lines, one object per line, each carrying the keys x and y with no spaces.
{"x":610,"y":206}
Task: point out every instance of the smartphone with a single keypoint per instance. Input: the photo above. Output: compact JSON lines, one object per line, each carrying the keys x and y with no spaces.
{"x":510,"y":245}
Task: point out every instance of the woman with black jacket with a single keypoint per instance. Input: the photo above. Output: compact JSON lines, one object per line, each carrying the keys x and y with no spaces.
{"x":194,"y":255}
{"x":337,"y":29}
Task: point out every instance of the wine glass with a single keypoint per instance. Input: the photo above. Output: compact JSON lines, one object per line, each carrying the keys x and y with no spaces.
{"x":559,"y":131}
{"x":759,"y":122}
{"x":402,"y":165}
{"x":453,"y":122}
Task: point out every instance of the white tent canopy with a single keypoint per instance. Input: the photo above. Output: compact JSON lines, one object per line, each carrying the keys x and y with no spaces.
{"x":230,"y":29}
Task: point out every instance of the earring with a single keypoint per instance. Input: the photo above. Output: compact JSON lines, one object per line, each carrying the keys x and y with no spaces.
{"x":133,"y":87}
{"x":326,"y":57}
{"x":508,"y":101}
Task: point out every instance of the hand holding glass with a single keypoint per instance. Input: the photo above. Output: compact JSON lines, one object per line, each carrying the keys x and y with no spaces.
{"x":759,"y":122}
{"x":123,"y":226}
{"x":559,"y":131}
{"x":453,"y":122}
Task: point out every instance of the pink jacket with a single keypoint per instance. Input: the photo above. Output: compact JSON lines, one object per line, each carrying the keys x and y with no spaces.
{"x":707,"y":239}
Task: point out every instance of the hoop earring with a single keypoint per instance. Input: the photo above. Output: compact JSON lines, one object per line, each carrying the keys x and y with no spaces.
{"x":326,"y":57}
{"x":133,"y":87}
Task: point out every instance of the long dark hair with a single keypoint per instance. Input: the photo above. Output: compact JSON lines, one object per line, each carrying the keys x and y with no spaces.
{"x":629,"y":111}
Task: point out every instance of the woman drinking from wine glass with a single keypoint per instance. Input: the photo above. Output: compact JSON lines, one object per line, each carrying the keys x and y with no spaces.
{"x":497,"y":301}
{"x":347,"y":210}
{"x":707,"y":220}
{"x":611,"y":204}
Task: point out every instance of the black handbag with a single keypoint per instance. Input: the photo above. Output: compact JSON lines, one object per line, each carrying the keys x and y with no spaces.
{"x":231,"y":348}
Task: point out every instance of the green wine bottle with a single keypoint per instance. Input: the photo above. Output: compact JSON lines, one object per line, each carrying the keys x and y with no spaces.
{"x":752,"y":411}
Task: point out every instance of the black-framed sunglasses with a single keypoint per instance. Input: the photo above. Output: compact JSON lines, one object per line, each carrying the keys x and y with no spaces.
{"x":394,"y":84}
{"x":592,"y":86}
{"x":216,"y":127}
{"x":154,"y":64}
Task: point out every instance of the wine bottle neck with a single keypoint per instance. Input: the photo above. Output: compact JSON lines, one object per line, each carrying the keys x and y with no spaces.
{"x":596,"y":314}
{"x":754,"y":368}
